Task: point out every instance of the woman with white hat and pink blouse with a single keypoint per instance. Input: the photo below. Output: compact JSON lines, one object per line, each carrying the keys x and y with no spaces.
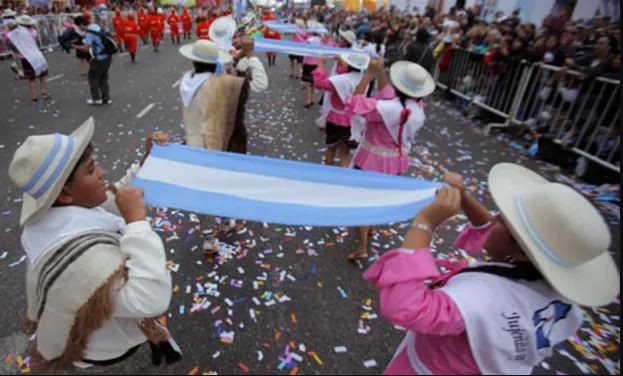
{"x":547,"y":254}
{"x":385,"y":125}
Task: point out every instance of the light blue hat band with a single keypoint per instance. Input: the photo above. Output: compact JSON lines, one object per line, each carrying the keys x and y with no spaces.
{"x":543,"y":247}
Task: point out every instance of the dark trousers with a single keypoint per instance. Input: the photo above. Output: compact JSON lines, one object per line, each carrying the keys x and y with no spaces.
{"x":98,"y":79}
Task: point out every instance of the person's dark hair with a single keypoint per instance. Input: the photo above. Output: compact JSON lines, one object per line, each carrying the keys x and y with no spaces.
{"x":203,"y":67}
{"x":80,"y":21}
{"x":422,"y":35}
{"x":85,"y":155}
{"x":523,"y":270}
{"x":352,"y":69}
{"x":614,"y":44}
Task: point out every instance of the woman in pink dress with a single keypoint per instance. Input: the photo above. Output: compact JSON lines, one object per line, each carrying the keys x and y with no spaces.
{"x":385,"y":125}
{"x":338,"y":88}
{"x":310,"y":63}
{"x":547,"y":254}
{"x":296,"y":60}
{"x":23,"y":40}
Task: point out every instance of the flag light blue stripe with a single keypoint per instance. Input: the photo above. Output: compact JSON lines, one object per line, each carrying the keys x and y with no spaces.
{"x":169,"y":195}
{"x":58,"y":140}
{"x":303,"y":49}
{"x":59,"y":168}
{"x":302,"y":171}
{"x":292,"y":28}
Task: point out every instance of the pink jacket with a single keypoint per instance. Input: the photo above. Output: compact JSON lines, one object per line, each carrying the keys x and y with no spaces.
{"x":408,"y":301}
{"x":321,"y":81}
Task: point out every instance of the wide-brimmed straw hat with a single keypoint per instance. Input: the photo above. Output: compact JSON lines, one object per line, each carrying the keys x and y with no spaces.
{"x":9,"y":13}
{"x":358,"y":61}
{"x":411,"y":79}
{"x":42,"y":164}
{"x":26,"y":20}
{"x":205,"y":51}
{"x":222,"y":31}
{"x":348,"y":35}
{"x":560,"y":231}
{"x":248,"y":19}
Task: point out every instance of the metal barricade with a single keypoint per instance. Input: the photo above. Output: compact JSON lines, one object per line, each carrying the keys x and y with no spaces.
{"x":49,"y":27}
{"x":491,"y":87}
{"x":582,"y":115}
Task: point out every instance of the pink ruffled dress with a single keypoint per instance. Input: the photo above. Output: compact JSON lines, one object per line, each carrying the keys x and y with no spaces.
{"x":377,"y":152}
{"x":406,"y":300}
{"x":321,"y":81}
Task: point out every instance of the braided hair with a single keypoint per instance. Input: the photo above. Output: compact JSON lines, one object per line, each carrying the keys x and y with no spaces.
{"x":521,"y":270}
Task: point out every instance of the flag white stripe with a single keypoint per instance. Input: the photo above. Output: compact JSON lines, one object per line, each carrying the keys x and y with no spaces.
{"x":274,"y":189}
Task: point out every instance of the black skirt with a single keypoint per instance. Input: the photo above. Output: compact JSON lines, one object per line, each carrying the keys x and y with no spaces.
{"x":296,"y":58}
{"x":29,"y":71}
{"x":336,"y":134}
{"x":307,"y":73}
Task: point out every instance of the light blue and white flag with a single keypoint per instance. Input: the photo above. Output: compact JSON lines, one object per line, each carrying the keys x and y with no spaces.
{"x":288,"y":28}
{"x":277,"y":191}
{"x":301,"y":49}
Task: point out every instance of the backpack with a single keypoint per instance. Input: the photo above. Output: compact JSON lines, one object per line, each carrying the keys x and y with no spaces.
{"x":108,"y":41}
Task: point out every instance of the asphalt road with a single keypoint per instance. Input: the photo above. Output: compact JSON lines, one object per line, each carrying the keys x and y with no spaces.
{"x":311,"y":300}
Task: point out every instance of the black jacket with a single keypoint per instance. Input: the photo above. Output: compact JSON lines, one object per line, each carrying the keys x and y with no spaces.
{"x":422,"y":54}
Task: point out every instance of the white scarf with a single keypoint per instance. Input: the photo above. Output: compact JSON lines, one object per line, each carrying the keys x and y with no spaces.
{"x":26,"y":45}
{"x":190,"y":85}
{"x":326,"y":98}
{"x":345,"y":84}
{"x":61,"y":224}
{"x":511,"y":325}
{"x":390,"y":111}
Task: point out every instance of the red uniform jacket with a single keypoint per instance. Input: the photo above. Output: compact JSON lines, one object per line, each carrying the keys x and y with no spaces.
{"x":117,"y":23}
{"x":186,"y":21}
{"x":130,"y":34}
{"x":202,"y":30}
{"x":173,"y":22}
{"x":161,"y":21}
{"x":143,"y":22}
{"x":154,"y":27}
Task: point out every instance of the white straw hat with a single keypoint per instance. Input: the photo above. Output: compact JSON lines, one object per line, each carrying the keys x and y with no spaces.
{"x":9,"y":13}
{"x":222,"y":31}
{"x":205,"y":51}
{"x":247,"y":19}
{"x":26,"y":20}
{"x":560,"y":231}
{"x":348,"y":35}
{"x":358,"y":61}
{"x":311,"y":24}
{"x":42,"y":164}
{"x":411,"y":79}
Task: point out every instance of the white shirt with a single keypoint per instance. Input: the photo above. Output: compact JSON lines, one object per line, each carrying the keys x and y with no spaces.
{"x":146,"y":293}
{"x":259,"y":79}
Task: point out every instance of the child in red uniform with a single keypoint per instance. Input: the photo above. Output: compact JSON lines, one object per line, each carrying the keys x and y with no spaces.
{"x":271,"y":34}
{"x":130,"y":35}
{"x":173,"y":22}
{"x":203,"y":28}
{"x":143,"y":24}
{"x":117,"y":23}
{"x":162,"y":19}
{"x":154,"y":28}
{"x":186,"y":23}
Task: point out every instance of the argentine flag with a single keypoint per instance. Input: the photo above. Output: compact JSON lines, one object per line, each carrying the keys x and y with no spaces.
{"x":277,"y":191}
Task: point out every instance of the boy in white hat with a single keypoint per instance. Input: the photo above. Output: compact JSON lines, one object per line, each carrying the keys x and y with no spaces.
{"x":213,"y":108}
{"x":548,"y":254}
{"x":96,"y":275}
